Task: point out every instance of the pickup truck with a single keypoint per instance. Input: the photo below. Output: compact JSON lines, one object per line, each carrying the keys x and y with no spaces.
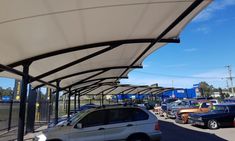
{"x":200,"y":106}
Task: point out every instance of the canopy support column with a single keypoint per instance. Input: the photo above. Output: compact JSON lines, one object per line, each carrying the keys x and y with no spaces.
{"x":57,"y":100}
{"x":79,"y":102}
{"x":25,"y":82}
{"x":69,"y":100}
{"x":31,"y":110}
{"x":102,"y":98}
{"x":10,"y":114}
{"x":50,"y":105}
{"x":75,"y":103}
{"x":117,"y":98}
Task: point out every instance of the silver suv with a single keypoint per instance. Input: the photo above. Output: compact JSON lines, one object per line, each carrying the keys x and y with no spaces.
{"x":110,"y":123}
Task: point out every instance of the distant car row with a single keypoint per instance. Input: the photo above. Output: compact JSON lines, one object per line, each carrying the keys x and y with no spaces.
{"x":207,"y":113}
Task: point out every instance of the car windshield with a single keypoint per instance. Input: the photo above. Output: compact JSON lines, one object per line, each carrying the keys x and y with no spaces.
{"x":195,"y":104}
{"x":170,"y":100}
{"x":77,"y":116}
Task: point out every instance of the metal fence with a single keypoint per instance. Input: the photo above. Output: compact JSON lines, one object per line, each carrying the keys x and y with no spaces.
{"x":9,"y":111}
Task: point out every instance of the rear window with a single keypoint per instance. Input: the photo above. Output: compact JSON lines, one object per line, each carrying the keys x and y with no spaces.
{"x":126,"y":115}
{"x":95,"y":118}
{"x":138,"y":114}
{"x":119,"y":116}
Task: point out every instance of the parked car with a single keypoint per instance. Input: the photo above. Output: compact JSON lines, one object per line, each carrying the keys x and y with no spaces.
{"x":229,"y":100}
{"x":165,"y":105}
{"x":157,"y":109}
{"x":174,"y":107}
{"x":108,"y":123}
{"x":63,"y":120}
{"x":221,"y":115}
{"x":199,"y":106}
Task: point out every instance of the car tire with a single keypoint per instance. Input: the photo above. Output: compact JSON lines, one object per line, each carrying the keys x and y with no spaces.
{"x":212,"y":124}
{"x":184,"y":117}
{"x":138,"y":137}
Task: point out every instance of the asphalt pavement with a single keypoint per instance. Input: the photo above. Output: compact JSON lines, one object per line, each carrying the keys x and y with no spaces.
{"x":172,"y":131}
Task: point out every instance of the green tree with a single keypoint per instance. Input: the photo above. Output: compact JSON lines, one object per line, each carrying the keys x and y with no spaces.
{"x":5,"y":92}
{"x":206,"y":89}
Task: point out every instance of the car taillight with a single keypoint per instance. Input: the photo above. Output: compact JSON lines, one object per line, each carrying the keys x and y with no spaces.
{"x":234,"y":122}
{"x":157,"y":126}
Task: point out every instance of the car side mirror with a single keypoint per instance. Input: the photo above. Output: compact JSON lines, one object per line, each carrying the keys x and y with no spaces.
{"x":79,"y":126}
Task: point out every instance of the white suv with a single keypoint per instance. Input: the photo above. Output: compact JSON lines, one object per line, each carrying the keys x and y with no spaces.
{"x":110,"y":123}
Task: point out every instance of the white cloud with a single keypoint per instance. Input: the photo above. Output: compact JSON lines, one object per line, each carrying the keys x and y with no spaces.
{"x":145,"y":66}
{"x":212,"y":77}
{"x":190,"y":49}
{"x":203,"y":29}
{"x":175,"y":66}
{"x":217,"y":73}
{"x":216,"y":5}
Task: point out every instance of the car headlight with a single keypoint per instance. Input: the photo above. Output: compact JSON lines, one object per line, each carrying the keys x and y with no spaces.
{"x":41,"y":137}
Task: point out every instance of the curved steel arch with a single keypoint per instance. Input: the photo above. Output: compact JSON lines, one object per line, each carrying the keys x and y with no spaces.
{"x":168,"y":29}
{"x":88,"y":46}
{"x":103,"y":78}
{"x":89,"y":71}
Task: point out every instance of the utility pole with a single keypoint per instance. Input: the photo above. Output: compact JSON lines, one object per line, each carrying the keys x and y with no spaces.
{"x":230,"y":77}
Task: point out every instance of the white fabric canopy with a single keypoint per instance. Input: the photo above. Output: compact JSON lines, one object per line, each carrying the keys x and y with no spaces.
{"x":30,"y":28}
{"x":112,"y":89}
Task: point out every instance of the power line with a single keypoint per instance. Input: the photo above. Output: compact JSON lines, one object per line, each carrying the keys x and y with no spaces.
{"x":178,"y":76}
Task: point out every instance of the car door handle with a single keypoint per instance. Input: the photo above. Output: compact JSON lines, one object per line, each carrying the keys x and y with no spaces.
{"x":128,"y":125}
{"x":101,"y":129}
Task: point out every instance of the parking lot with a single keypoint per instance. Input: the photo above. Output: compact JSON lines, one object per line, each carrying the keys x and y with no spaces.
{"x":185,"y":132}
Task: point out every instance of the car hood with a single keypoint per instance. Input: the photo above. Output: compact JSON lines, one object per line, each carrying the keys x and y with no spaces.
{"x":179,"y":107}
{"x":57,"y":131}
{"x":205,"y":114}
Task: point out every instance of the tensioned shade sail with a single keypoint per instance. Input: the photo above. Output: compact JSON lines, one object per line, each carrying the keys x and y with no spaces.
{"x":112,"y":89}
{"x":86,"y":35}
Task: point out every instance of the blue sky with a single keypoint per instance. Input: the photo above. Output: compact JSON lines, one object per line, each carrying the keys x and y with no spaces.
{"x":207,"y":45}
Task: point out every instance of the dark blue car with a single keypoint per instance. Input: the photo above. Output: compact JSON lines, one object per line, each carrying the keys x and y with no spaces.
{"x":220,"y":115}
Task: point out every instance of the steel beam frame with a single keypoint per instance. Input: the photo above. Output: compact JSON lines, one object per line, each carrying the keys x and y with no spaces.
{"x":168,"y":29}
{"x":90,"y":86}
{"x":17,"y":72}
{"x":113,"y":44}
{"x":75,"y":62}
{"x":88,"y":46}
{"x":57,"y":101}
{"x":115,"y":87}
{"x":69,"y":100}
{"x":25,"y":82}
{"x":98,"y":79}
{"x":102,"y":92}
{"x":89,"y":90}
{"x":89,"y":71}
{"x":134,"y":88}
{"x":144,"y":90}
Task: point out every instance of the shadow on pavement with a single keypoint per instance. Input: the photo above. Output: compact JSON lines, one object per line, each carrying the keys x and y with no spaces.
{"x":172,"y":132}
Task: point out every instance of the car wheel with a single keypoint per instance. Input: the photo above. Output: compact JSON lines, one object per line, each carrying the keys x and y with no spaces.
{"x":212,"y":124}
{"x":138,"y":138}
{"x":184,"y":119}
